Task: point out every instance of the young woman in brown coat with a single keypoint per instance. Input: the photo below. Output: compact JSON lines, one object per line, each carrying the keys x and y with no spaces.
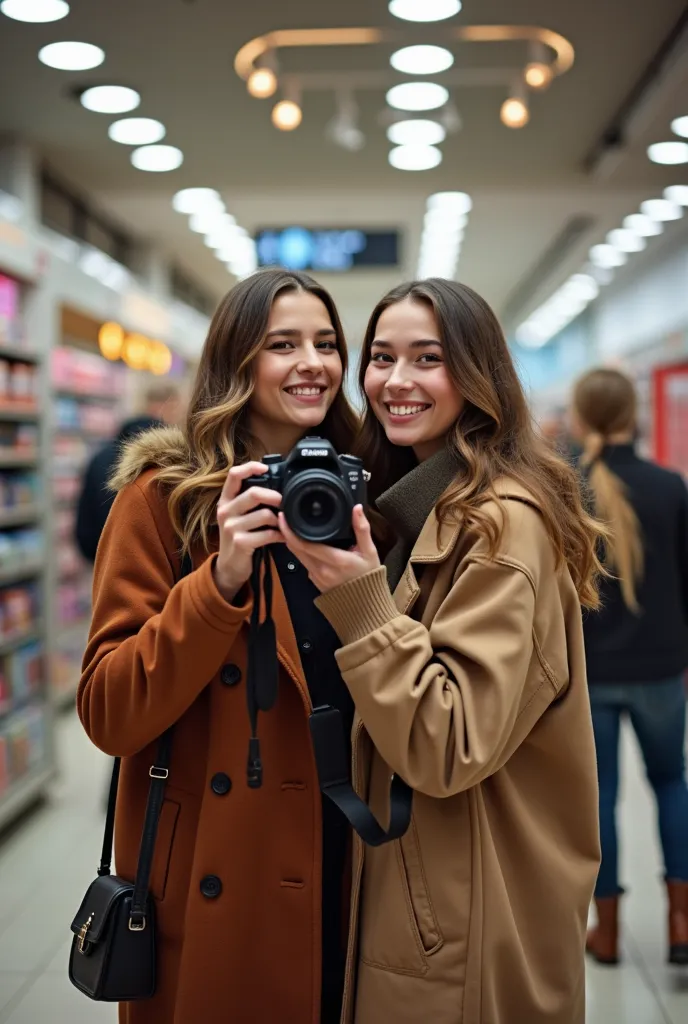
{"x":464,"y":656}
{"x":248,"y":883}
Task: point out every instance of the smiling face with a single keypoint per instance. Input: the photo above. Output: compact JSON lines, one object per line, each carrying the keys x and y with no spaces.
{"x":407,"y":381}
{"x":298,"y":372}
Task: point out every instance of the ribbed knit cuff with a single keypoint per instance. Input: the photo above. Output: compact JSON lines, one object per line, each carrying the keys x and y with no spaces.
{"x":359,"y":607}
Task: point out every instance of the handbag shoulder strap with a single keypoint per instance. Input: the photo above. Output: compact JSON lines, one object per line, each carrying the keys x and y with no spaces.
{"x":158,"y":776}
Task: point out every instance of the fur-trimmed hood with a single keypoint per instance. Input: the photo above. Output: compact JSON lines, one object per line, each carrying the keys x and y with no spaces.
{"x":153,"y":449}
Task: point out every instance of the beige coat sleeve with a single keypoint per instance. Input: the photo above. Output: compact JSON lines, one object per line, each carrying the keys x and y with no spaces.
{"x":447,"y":705}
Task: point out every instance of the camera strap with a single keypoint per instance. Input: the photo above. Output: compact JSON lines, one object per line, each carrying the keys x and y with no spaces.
{"x":325,"y":722}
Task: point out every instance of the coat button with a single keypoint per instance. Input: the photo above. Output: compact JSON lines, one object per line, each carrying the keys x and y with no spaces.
{"x":220,"y":784}
{"x":230,"y":675}
{"x":291,"y":566}
{"x":211,"y":886}
{"x":306,"y":645}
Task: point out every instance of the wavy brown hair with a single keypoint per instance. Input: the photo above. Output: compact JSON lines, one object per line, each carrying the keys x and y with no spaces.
{"x":604,"y":403}
{"x":217,"y":431}
{"x":493,"y":436}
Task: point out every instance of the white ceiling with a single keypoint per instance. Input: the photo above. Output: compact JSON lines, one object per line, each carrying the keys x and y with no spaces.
{"x":526,"y":185}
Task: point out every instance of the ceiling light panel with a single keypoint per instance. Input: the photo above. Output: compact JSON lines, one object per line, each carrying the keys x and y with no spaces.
{"x":422,"y":60}
{"x":679,"y":126}
{"x":606,"y":255}
{"x":668,"y":153}
{"x":136,"y":131}
{"x":415,"y":158}
{"x":677,"y":194}
{"x":157,"y":158}
{"x":424,"y":10}
{"x":193,"y":200}
{"x":661,"y":209}
{"x":417,"y":96}
{"x":558,"y":311}
{"x":36,"y":11}
{"x":626,"y":241}
{"x":71,"y":56}
{"x":110,"y":99}
{"x":443,"y":230}
{"x":643,"y":225}
{"x":419,"y":132}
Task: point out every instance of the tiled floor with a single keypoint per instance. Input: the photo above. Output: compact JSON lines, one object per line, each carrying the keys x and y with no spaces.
{"x":46,"y":863}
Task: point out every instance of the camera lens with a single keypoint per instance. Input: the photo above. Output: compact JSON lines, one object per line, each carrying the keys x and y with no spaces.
{"x":317,"y":506}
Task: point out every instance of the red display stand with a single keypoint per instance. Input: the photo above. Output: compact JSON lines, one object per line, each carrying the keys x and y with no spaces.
{"x":670,"y":433}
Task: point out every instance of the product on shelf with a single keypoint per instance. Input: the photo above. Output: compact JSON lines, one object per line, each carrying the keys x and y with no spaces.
{"x":20,"y":547}
{"x":18,"y":490}
{"x":11,"y":326}
{"x":23,"y":743}
{"x":19,"y":609}
{"x":85,"y":373}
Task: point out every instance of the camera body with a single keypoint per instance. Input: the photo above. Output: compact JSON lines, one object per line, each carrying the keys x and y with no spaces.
{"x":319,"y":490}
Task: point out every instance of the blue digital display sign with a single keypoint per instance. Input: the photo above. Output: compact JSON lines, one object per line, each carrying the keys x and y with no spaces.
{"x":326,"y":249}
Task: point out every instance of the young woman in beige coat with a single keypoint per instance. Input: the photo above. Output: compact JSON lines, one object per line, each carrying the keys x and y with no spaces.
{"x":464,"y":656}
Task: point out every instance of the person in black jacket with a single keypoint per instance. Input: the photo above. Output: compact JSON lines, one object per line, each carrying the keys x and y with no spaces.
{"x":637,"y":645}
{"x":162,"y":405}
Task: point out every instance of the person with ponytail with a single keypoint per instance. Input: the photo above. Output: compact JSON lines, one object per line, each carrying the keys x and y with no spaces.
{"x":637,"y":644}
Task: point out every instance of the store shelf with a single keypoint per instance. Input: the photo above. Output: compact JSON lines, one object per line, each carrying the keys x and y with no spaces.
{"x":85,"y":396}
{"x":18,"y":413}
{"x":9,"y":459}
{"x":19,"y":354}
{"x":17,"y":573}
{"x":20,"y":516}
{"x":85,"y":433}
{"x":23,"y":793}
{"x":14,"y":640}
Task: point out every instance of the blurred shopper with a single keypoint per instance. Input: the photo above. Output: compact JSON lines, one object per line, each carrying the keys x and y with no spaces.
{"x":637,"y":645}
{"x":162,"y":404}
{"x":249,"y":884}
{"x":464,"y":656}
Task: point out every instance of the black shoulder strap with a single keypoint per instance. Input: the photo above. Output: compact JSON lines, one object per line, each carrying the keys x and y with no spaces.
{"x":158,"y":776}
{"x":332,"y":759}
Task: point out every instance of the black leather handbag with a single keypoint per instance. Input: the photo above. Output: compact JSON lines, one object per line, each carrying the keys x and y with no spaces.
{"x":113,"y":955}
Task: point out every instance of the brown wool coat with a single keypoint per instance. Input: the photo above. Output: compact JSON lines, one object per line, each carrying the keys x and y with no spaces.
{"x":470,"y":683}
{"x":155,"y":657}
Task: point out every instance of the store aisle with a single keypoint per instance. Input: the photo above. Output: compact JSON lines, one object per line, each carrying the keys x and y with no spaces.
{"x":46,"y":863}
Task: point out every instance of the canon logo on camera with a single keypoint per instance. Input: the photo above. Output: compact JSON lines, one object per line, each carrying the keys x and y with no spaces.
{"x":314,"y":451}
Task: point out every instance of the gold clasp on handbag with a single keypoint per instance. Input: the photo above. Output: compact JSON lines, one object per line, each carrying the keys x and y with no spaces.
{"x":82,"y":934}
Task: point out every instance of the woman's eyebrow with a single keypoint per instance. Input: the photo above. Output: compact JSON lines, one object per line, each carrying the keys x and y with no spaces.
{"x":414,"y":344}
{"x":284,"y":332}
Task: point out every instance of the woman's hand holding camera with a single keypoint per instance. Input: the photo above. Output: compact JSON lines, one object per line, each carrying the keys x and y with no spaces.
{"x":244,"y":527}
{"x":329,"y":567}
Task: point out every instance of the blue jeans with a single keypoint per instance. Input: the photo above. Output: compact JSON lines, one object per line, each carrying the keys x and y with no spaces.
{"x":657,"y":712}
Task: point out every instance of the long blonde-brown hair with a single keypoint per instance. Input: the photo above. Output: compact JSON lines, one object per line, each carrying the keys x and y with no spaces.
{"x":493,"y":435}
{"x":604,"y":403}
{"x":217,"y":431}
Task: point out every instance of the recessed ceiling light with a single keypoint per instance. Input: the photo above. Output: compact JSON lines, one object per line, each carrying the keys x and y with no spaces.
{"x":607,"y":256}
{"x":416,"y":133}
{"x":641,"y":224}
{"x":417,"y":96}
{"x":422,"y":60}
{"x":205,"y":222}
{"x":668,"y":152}
{"x":415,"y":158}
{"x":36,"y":11}
{"x":136,"y":131}
{"x":455,"y":202}
{"x":626,"y":241}
{"x":191,"y":200}
{"x":661,"y":209}
{"x":157,"y":158}
{"x":110,"y":99}
{"x":677,"y":194}
{"x":679,"y":126}
{"x":71,"y":56}
{"x":424,"y":10}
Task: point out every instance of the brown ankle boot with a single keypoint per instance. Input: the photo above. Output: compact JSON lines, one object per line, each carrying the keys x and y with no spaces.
{"x":603,"y":940}
{"x":678,"y":922}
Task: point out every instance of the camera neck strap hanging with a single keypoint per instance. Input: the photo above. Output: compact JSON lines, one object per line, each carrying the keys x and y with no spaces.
{"x":326,"y":725}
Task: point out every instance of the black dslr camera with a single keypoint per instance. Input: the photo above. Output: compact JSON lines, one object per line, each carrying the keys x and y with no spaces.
{"x":319,"y":490}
